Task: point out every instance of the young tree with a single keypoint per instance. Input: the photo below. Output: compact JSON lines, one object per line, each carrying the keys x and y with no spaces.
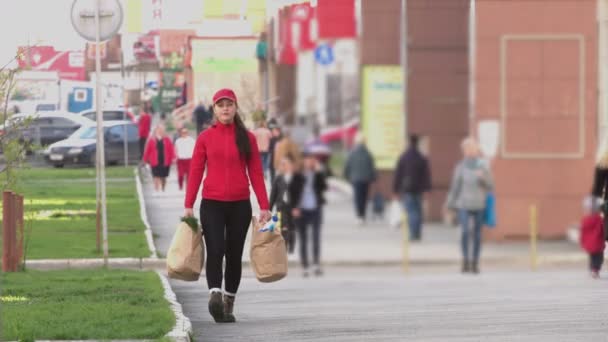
{"x":13,"y":147}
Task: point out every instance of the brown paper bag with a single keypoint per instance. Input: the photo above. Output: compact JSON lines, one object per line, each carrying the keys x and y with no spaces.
{"x":268,"y":254}
{"x":186,"y":254}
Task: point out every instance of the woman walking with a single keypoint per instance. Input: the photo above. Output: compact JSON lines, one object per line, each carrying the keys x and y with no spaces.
{"x":470,"y":186}
{"x":159,"y":154}
{"x":229,"y":154}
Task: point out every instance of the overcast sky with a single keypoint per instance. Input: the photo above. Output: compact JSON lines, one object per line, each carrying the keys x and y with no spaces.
{"x":39,"y":20}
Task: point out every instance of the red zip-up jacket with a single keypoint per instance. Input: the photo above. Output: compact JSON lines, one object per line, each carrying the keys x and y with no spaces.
{"x":145,"y":121}
{"x":151,"y":153}
{"x":228,"y":174}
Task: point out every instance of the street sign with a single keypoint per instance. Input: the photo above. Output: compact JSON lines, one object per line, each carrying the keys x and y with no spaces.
{"x":324,"y":54}
{"x":83,"y":18}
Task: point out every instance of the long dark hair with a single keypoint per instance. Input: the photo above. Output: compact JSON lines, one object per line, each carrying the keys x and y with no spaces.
{"x":242,"y":138}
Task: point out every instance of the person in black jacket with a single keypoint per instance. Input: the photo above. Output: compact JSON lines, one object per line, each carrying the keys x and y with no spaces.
{"x":202,"y":117}
{"x":276,"y":136}
{"x":412,"y":179}
{"x":282,"y":195}
{"x":600,"y":183}
{"x":308,"y":191}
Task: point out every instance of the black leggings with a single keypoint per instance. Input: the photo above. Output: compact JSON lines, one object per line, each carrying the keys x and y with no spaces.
{"x":225,"y":226}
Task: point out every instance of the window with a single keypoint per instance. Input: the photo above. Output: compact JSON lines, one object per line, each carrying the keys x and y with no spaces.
{"x":114,"y":115}
{"x":133,"y":133}
{"x":90,"y":115}
{"x":89,"y":133}
{"x":117,"y":133}
{"x":62,"y":122}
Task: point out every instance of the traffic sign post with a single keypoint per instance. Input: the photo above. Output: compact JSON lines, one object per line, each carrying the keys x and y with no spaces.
{"x":97,"y":21}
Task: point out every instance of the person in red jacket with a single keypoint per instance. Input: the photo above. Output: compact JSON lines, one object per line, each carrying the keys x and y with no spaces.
{"x":592,"y":237}
{"x":144,"y":124}
{"x":159,"y":154}
{"x":229,"y":153}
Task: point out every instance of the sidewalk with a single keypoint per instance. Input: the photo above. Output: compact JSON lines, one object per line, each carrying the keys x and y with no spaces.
{"x":345,"y":243}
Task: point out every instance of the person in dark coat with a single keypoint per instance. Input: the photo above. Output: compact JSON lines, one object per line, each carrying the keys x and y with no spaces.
{"x":282,"y":196}
{"x":360,"y":171}
{"x":600,"y":183}
{"x":412,"y":180}
{"x":308,"y":192}
{"x":203,"y":117}
{"x":277,"y":135}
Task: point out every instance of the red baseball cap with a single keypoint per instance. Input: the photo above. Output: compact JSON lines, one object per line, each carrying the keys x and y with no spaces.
{"x":224,"y":94}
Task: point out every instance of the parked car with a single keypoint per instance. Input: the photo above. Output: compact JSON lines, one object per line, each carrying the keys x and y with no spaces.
{"x":45,"y":127}
{"x":80,"y":147}
{"x":110,"y":115}
{"x":46,"y":107}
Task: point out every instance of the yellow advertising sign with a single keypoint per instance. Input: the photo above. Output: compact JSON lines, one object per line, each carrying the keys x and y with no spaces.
{"x":224,"y":55}
{"x":253,"y":10}
{"x":383,"y":114}
{"x":134,"y":13}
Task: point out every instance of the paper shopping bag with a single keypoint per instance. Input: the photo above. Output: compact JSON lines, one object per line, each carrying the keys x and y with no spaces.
{"x":186,"y":254}
{"x":268,"y":253}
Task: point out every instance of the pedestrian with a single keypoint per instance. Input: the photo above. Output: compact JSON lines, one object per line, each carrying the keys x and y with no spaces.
{"x":283,"y":196}
{"x":412,"y":179}
{"x":263,"y":136}
{"x":309,"y":192}
{"x":228,"y":153}
{"x":360,"y":171}
{"x":159,"y":154}
{"x":184,"y":147}
{"x":144,"y":124}
{"x":202,"y":117}
{"x":471,"y":184}
{"x":276,"y":136}
{"x":285,"y":146}
{"x":592,"y":236}
{"x":600,"y":182}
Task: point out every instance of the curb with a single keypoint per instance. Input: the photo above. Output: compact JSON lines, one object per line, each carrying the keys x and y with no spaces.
{"x":120,"y":263}
{"x":144,"y":215}
{"x":156,"y":264}
{"x":183,"y":327}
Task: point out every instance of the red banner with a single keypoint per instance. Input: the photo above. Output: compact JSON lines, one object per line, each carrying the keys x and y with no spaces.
{"x":69,"y":64}
{"x":336,"y":19}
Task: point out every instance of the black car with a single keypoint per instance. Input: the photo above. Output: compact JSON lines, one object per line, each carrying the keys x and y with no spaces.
{"x":79,"y":149}
{"x":44,"y":128}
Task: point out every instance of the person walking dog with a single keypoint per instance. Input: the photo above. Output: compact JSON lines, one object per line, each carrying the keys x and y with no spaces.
{"x":229,"y":153}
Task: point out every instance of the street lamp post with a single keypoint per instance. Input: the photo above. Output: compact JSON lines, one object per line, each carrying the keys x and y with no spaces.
{"x":97,"y":21}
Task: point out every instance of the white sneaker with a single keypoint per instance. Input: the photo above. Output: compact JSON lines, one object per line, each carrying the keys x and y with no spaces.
{"x":306,"y":273}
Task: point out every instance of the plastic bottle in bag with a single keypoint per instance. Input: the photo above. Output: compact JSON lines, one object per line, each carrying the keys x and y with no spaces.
{"x":270,"y":225}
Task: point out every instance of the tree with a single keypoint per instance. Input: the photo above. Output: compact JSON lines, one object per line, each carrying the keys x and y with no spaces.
{"x":12,"y":145}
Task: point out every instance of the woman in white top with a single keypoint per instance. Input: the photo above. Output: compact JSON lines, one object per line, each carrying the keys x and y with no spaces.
{"x":184,"y":146}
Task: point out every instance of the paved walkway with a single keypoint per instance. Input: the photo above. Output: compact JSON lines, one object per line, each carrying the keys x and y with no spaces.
{"x":506,"y":302}
{"x":346,"y":243}
{"x":384,"y":305}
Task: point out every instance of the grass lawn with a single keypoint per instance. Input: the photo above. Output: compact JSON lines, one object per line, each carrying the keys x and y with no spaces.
{"x":60,"y":211}
{"x":83,"y":304}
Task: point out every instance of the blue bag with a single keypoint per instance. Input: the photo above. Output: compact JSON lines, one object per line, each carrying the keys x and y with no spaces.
{"x":489,"y":214}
